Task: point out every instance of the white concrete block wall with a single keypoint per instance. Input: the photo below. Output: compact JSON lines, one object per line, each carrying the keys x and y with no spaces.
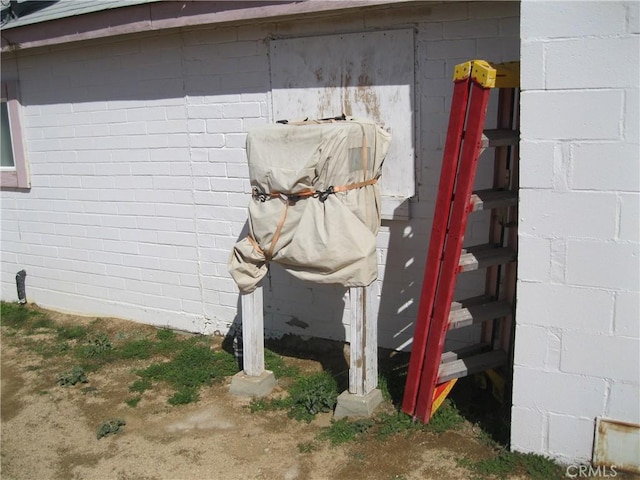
{"x":140,"y":183}
{"x":577,"y":348}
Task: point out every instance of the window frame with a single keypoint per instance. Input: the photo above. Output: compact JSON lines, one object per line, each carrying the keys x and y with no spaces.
{"x":18,"y":175}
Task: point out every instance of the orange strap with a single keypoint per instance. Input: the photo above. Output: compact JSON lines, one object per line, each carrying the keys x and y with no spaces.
{"x":287,"y":198}
{"x":302,"y":194}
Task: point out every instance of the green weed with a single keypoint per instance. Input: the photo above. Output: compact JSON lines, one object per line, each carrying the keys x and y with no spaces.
{"x":184,"y":395}
{"x":192,"y":367}
{"x":343,"y":430}
{"x":109,"y":427}
{"x":312,"y":395}
{"x":73,"y":376}
{"x":263,"y":404}
{"x":133,"y":401}
{"x":136,"y":349}
{"x":397,"y":422}
{"x":72,"y":332}
{"x":447,"y":417}
{"x":140,"y":385}
{"x":506,"y":463}
{"x":278,"y":366}
{"x":307,"y":447}
{"x":98,"y":346}
{"x":22,"y":317}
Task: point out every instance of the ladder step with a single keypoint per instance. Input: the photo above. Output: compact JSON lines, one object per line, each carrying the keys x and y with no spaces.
{"x":500,"y":138}
{"x":483,"y":256}
{"x":470,"y":365}
{"x":471,"y":313}
{"x":463,"y":352}
{"x":488,"y":199}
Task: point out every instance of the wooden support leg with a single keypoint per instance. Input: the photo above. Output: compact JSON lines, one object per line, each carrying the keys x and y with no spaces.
{"x":253,"y":333}
{"x":363,"y":364}
{"x":363,"y":396}
{"x":254,"y":380}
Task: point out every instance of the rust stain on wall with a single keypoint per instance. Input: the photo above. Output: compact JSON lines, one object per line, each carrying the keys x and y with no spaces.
{"x":366,"y":95}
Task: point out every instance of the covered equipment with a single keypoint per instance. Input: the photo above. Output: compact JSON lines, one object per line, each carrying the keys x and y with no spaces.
{"x":315,"y":205}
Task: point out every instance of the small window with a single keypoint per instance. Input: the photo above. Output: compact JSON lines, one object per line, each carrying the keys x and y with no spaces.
{"x":13,"y":165}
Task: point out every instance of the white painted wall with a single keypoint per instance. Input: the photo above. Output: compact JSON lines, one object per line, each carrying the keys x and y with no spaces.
{"x":140,"y":184}
{"x":578,"y":315}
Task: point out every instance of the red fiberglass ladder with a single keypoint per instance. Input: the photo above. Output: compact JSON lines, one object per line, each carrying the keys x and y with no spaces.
{"x":432,"y":373}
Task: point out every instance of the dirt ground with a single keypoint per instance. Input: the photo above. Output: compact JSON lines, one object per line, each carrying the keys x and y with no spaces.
{"x":49,"y":432}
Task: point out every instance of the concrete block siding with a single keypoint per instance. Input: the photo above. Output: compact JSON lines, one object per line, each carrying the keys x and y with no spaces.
{"x":140,"y":183}
{"x":579,"y":272}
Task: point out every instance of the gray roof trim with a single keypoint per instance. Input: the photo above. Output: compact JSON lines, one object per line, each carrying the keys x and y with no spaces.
{"x":160,"y":15}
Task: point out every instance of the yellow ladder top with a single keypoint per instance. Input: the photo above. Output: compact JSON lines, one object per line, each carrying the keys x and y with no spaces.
{"x":488,"y":75}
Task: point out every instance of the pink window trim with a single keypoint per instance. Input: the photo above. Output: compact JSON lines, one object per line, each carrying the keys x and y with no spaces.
{"x":19,"y":177}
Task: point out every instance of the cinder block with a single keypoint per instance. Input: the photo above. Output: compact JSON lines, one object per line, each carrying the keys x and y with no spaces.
{"x":558,"y":392}
{"x":241,"y":110}
{"x":565,"y":307}
{"x":228,"y":155}
{"x":534,"y":259}
{"x":592,"y":63}
{"x":530,"y":347}
{"x":633,"y":17}
{"x":205,"y":112}
{"x":627,"y":313}
{"x":532,"y":74}
{"x":552,"y":19}
{"x":473,"y":28}
{"x":603,"y":264}
{"x":622,"y":402}
{"x":571,"y":115}
{"x":451,"y":48}
{"x":605,"y":166}
{"x":528,"y":428}
{"x":616,"y":356}
{"x":571,"y":437}
{"x":536,"y":164}
{"x":631,"y":117}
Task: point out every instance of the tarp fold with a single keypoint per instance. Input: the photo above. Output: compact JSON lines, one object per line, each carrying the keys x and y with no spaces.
{"x":315,"y":207}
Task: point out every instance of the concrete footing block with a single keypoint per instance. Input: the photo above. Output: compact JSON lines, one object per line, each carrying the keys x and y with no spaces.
{"x":351,"y":405}
{"x":245,"y":386}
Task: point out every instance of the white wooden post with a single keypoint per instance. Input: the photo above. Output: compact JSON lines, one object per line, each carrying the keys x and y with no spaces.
{"x":363,"y":361}
{"x":253,"y":333}
{"x":254,"y":380}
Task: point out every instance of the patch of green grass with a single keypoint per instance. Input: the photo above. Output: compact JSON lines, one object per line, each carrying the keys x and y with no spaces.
{"x":96,"y":347}
{"x":278,"y":366}
{"x":311,"y":395}
{"x":133,"y":401}
{"x":263,"y":404}
{"x":193,"y":366}
{"x":136,"y":349}
{"x":308,"y":396}
{"x":141,"y":385}
{"x":393,"y":423}
{"x":73,"y":376}
{"x":506,"y":463}
{"x":22,"y":317}
{"x":343,"y":430}
{"x":72,"y":332}
{"x":42,"y":323}
{"x":184,"y":395}
{"x":307,"y":447}
{"x":447,"y":417}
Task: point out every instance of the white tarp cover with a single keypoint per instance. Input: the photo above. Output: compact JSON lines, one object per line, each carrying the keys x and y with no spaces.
{"x":320,"y":238}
